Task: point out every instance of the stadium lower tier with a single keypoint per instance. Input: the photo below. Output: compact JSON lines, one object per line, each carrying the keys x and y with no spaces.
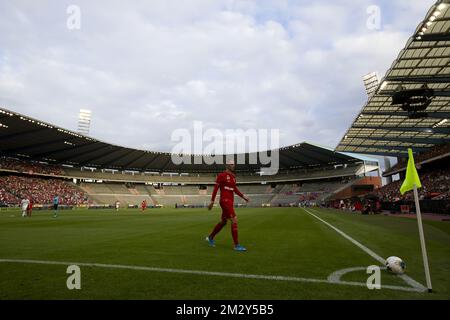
{"x":181,"y":195}
{"x":14,"y":188}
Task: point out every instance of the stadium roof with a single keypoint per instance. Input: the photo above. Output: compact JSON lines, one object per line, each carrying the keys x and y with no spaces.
{"x":25,"y":137}
{"x":385,"y":129}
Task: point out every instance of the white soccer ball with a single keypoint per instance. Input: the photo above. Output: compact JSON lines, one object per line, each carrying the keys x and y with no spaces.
{"x":395,"y":265}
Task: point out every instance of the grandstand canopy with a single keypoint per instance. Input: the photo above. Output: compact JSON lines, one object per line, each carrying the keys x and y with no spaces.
{"x":385,"y":129}
{"x":25,"y":137}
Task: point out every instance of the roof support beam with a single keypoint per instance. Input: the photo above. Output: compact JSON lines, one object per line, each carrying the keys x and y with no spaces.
{"x":303,"y":163}
{"x":33,"y":146}
{"x":432,"y":141}
{"x":106,"y":164}
{"x":433,"y":46}
{"x":426,"y":57}
{"x":126,"y":165}
{"x":382,"y":146}
{"x":80,"y":154}
{"x":432,"y":114}
{"x":434,"y":37}
{"x":421,"y":79}
{"x":23,"y":133}
{"x":145,"y":166}
{"x":324,"y":152}
{"x":169,"y":160}
{"x":419,"y":67}
{"x":443,"y":130}
{"x":436,"y":93}
{"x":53,"y":152}
{"x":376,"y":153}
{"x":315,"y":157}
{"x":97,"y":156}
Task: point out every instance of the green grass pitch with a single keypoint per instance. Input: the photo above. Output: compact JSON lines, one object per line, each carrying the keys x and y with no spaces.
{"x":286,"y":242}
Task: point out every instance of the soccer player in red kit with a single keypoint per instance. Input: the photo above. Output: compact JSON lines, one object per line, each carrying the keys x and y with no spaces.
{"x":144,"y":205}
{"x":226,"y":182}
{"x":30,"y":208}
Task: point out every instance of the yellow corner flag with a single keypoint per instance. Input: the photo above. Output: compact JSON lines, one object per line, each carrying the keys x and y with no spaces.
{"x":411,"y":175}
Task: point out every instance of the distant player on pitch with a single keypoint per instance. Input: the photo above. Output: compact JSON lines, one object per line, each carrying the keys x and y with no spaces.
{"x":226,"y":182}
{"x":30,"y":207}
{"x":55,"y":206}
{"x":24,"y":204}
{"x":143,"y":205}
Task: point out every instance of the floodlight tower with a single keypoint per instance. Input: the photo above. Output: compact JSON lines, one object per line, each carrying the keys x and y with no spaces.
{"x":84,"y":121}
{"x":371,"y":83}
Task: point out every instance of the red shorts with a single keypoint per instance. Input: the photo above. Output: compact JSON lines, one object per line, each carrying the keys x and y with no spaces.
{"x":227,"y":209}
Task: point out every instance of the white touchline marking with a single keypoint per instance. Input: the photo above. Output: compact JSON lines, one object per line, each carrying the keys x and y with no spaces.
{"x":405,"y":278}
{"x":199,"y":272}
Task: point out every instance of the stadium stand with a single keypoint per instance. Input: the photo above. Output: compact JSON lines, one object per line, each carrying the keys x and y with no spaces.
{"x":104,"y":187}
{"x":435,"y":185}
{"x":40,"y":190}
{"x":7,"y":198}
{"x":436,"y":153}
{"x":289,"y":175}
{"x":14,"y":188}
{"x":434,"y":172}
{"x":19,"y":165}
{"x":98,"y":173}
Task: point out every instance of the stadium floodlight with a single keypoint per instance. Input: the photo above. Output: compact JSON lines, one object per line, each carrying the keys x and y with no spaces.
{"x":84,"y":121}
{"x":371,"y":83}
{"x":414,"y":101}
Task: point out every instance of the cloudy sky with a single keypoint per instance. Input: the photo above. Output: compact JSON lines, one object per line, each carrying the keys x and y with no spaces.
{"x":146,"y":68}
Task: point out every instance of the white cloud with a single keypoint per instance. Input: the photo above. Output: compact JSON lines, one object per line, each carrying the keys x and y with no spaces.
{"x":147,"y":68}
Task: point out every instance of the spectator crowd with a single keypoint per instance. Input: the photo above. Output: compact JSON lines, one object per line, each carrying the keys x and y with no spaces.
{"x":29,"y":167}
{"x":435,"y":185}
{"x":435,"y":151}
{"x":41,"y":191}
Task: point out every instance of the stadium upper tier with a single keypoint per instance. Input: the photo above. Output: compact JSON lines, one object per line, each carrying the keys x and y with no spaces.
{"x":35,"y":140}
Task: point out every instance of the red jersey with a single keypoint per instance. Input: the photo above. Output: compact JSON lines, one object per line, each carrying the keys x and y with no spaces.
{"x":226,"y":181}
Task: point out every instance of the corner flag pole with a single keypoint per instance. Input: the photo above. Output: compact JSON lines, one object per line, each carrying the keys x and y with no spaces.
{"x":422,"y":240}
{"x":412,"y":182}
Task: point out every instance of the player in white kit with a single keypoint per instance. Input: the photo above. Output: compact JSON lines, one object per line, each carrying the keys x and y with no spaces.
{"x":24,"y":204}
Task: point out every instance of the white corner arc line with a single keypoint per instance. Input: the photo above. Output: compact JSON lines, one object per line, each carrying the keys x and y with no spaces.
{"x":337,"y":275}
{"x":199,"y":272}
{"x":377,"y":257}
